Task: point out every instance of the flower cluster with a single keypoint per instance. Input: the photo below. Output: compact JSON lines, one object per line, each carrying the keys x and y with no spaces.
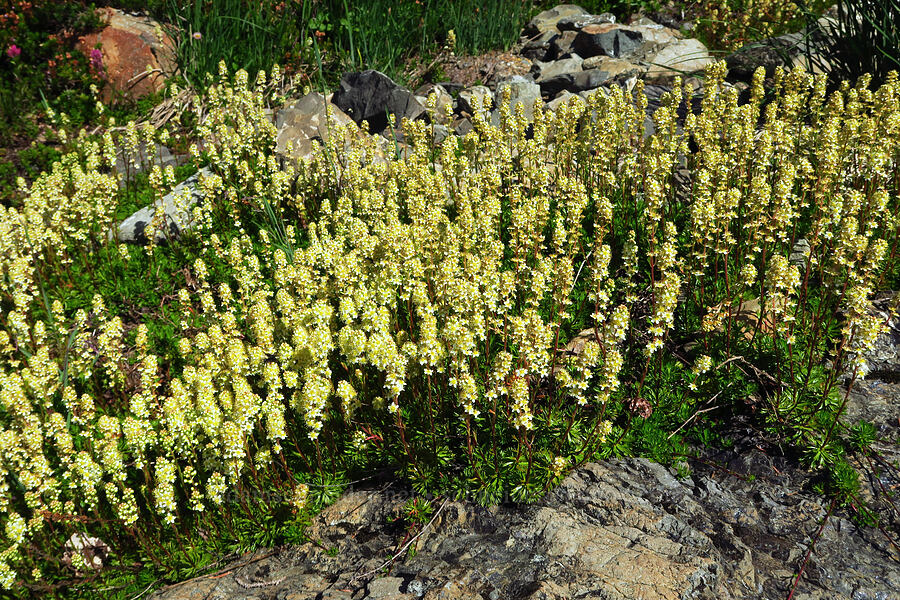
{"x":352,"y":306}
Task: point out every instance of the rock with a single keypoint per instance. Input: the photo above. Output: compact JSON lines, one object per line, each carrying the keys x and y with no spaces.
{"x":547,"y":20}
{"x":549,"y":70}
{"x":145,"y":160}
{"x":443,"y":98}
{"x":621,"y":529}
{"x":614,"y":67}
{"x":688,"y":55}
{"x":130,"y":44}
{"x":883,"y":358}
{"x":303,"y":121}
{"x":462,"y":127}
{"x":93,"y":551}
{"x":466,"y":97}
{"x":562,"y":45}
{"x":441,"y":132}
{"x":574,"y":82}
{"x":579,"y":22}
{"x":522,"y":91}
{"x":176,"y":214}
{"x":371,"y":96}
{"x":562,"y":98}
{"x":608,"y":40}
{"x":386,"y":588}
{"x":504,"y":66}
{"x":800,"y":254}
{"x":538,"y":48}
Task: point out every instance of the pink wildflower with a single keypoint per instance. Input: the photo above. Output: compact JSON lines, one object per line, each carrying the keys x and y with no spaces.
{"x":13,"y":51}
{"x":97,"y":59}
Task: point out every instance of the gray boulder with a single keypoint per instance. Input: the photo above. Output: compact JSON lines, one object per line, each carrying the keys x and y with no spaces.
{"x":549,"y":70}
{"x":608,"y":40}
{"x":562,"y":45}
{"x":574,"y":82}
{"x":466,"y":98}
{"x":547,"y":20}
{"x":301,"y":122}
{"x":372,"y":96}
{"x":522,"y":91}
{"x":175,"y":210}
{"x":768,"y":54}
{"x":677,"y":58}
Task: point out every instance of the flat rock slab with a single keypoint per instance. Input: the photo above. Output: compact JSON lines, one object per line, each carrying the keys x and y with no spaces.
{"x":621,"y":529}
{"x":174,"y":209}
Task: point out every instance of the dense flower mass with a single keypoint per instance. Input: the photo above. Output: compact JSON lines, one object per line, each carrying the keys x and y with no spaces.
{"x":364,"y":307}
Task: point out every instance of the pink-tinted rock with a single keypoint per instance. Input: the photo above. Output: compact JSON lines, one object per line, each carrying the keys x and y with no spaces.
{"x":137,"y":55}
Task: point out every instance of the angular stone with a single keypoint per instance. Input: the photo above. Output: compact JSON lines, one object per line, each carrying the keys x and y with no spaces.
{"x":466,"y":97}
{"x":614,"y":67}
{"x":145,"y":160}
{"x":623,"y":528}
{"x":443,"y":100}
{"x":547,"y":20}
{"x":386,"y":588}
{"x":574,"y":82}
{"x":563,"y":98}
{"x":176,"y":214}
{"x":522,"y":91}
{"x":304,"y":121}
{"x":608,"y":40}
{"x":549,"y":70}
{"x":656,"y":34}
{"x":372,"y":96}
{"x":539,"y":47}
{"x":688,"y":55}
{"x":562,"y":45}
{"x":579,"y":22}
{"x":129,"y":45}
{"x":768,"y":54}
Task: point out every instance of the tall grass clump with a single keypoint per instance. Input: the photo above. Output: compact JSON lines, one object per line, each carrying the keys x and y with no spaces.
{"x":407,"y":29}
{"x":863,"y":36}
{"x":476,"y":317}
{"x":252,"y":36}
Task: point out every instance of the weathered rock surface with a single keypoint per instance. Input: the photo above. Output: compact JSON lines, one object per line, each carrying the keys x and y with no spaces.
{"x":548,"y":19}
{"x":130,"y":44}
{"x":174,"y":211}
{"x":621,"y":529}
{"x":372,"y":96}
{"x":304,"y":121}
{"x":608,"y":40}
{"x":521,"y":91}
{"x":674,"y":59}
{"x":465,"y":101}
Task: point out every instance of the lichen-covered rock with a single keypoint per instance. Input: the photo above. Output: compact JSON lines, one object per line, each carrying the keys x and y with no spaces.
{"x":547,"y":20}
{"x":621,"y":529}
{"x":128,"y":46}
{"x":608,"y":40}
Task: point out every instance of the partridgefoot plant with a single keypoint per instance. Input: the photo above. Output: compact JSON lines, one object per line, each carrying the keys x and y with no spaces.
{"x":476,"y":316}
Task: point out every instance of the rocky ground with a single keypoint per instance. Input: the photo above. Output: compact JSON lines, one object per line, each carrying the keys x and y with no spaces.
{"x":621,"y":529}
{"x":740,"y":526}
